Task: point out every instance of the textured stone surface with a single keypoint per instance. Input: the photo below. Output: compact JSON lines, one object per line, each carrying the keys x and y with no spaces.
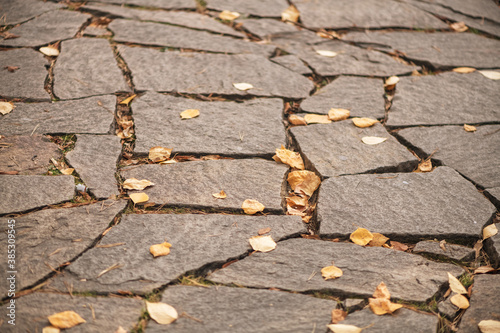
{"x":473,"y":154}
{"x":223,"y":309}
{"x":12,"y":12}
{"x":27,"y":81}
{"x":470,"y":99}
{"x":253,"y":127}
{"x":149,"y":33}
{"x":293,"y":63}
{"x":86,"y":67}
{"x":453,"y":251}
{"x":94,"y":159}
{"x":52,"y":237}
{"x":21,"y":193}
{"x":393,"y":204}
{"x":197,"y":240}
{"x":171,"y":4}
{"x":212,"y":73}
{"x":295,"y":264}
{"x":363,"y":97}
{"x":483,"y":303}
{"x":256,"y":179}
{"x":28,"y":155}
{"x":48,"y":27}
{"x":262,"y":8}
{"x":266,"y":27}
{"x":336,"y":149}
{"x":102,"y":314}
{"x":89,"y":115}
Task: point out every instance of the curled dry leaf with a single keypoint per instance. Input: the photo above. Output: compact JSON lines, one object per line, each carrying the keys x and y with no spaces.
{"x":190,"y":113}
{"x":469,"y":128}
{"x":455,"y":285}
{"x":127,"y":100}
{"x":326,"y":53}
{"x":135,"y":184}
{"x":262,"y":243}
{"x":331,"y":272}
{"x":228,"y":15}
{"x":459,"y":301}
{"x":139,"y":197}
{"x":290,"y":14}
{"x":489,"y":231}
{"x":50,"y":329}
{"x":378,"y":240}
{"x":361,"y":236}
{"x":364,"y":122}
{"x":243,"y":86}
{"x":459,"y":26}
{"x":289,"y":157}
{"x":492,"y":75}
{"x":158,"y":154}
{"x":303,"y":181}
{"x":398,"y":246}
{"x":341,"y":328}
{"x":489,"y":326}
{"x":425,"y":166}
{"x":50,"y":51}
{"x":251,"y":207}
{"x":162,"y":313}
{"x":372,"y":140}
{"x":296,"y":120}
{"x":338,"y":315}
{"x":464,"y":70}
{"x":338,"y":114}
{"x":66,"y":319}
{"x":317,"y":119}
{"x":6,"y":107}
{"x":159,"y":250}
{"x":391,"y":82}
{"x":220,"y":195}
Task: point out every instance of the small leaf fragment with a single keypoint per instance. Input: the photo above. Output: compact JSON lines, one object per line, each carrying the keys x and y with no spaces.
{"x":317,"y":119}
{"x":296,"y":120}
{"x":127,"y":100}
{"x":158,"y":154}
{"x":228,"y":15}
{"x":338,"y":315}
{"x":464,"y":70}
{"x":459,"y":26}
{"x":455,"y":285}
{"x":162,"y":313}
{"x":159,"y":250}
{"x":378,"y":240}
{"x":243,"y":86}
{"x":361,"y":236}
{"x":326,"y":53}
{"x":262,"y":243}
{"x":135,"y":184}
{"x":139,"y":197}
{"x":489,"y":326}
{"x":364,"y":122}
{"x":372,"y":140}
{"x":331,"y":272}
{"x":489,"y":231}
{"x":492,"y":75}
{"x":342,"y":328}
{"x":303,"y":181}
{"x":289,"y":157}
{"x":290,"y":14}
{"x":460,"y":301}
{"x":220,"y":195}
{"x":251,"y":206}
{"x":469,"y":128}
{"x":6,"y":107}
{"x":49,"y":51}
{"x":338,"y":114}
{"x":190,"y":113}
{"x":66,"y":319}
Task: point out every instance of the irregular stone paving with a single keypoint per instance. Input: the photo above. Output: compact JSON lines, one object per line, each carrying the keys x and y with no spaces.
{"x":471,"y":99}
{"x":473,"y":154}
{"x":223,"y":309}
{"x":261,"y":8}
{"x":89,"y":115}
{"x":251,"y":128}
{"x":295,"y":264}
{"x":197,"y":240}
{"x":50,"y":238}
{"x":171,"y":4}
{"x":453,"y":207}
{"x":94,"y":159}
{"x":336,"y":149}
{"x":13,"y":12}
{"x":21,"y":193}
{"x":244,"y":179}
{"x":101,"y":314}
{"x":453,"y":251}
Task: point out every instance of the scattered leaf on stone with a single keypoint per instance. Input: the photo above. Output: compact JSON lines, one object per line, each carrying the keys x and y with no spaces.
{"x":158,"y":154}
{"x":262,"y":243}
{"x":67,"y":171}
{"x":398,"y":246}
{"x":303,"y":181}
{"x":492,"y":75}
{"x":489,"y":326}
{"x":264,"y":231}
{"x":296,"y":120}
{"x":289,"y":157}
{"x":190,"y":113}
{"x":469,"y":128}
{"x":338,"y":114}
{"x":127,"y":100}
{"x":159,"y":250}
{"x":317,"y":119}
{"x":243,"y":86}
{"x":338,"y":315}
{"x":372,"y":140}
{"x":326,"y":53}
{"x":464,"y":70}
{"x":459,"y":301}
{"x":220,"y":195}
{"x":341,"y":328}
{"x":50,"y":329}
{"x":484,"y":269}
{"x":66,"y":319}
{"x":378,"y":240}
{"x":489,"y":231}
{"x":290,"y":14}
{"x":425,"y":165}
{"x":6,"y":107}
{"x":162,"y":313}
{"x":49,"y":51}
{"x":364,"y":122}
{"x":455,"y":285}
{"x":136,"y":184}
{"x":361,"y":236}
{"x":331,"y":272}
{"x":228,"y":15}
{"x":391,"y":82}
{"x":139,"y":197}
{"x":251,"y":207}
{"x":459,"y":26}
{"x":380,"y":304}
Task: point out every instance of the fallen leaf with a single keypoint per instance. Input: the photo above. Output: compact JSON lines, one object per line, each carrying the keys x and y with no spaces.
{"x":489,"y":326}
{"x":464,"y":70}
{"x":492,"y":75}
{"x":296,"y":120}
{"x":190,"y":113}
{"x":220,"y":195}
{"x":303,"y":181}
{"x":391,"y":82}
{"x":159,"y":250}
{"x":49,"y":51}
{"x":382,"y":291}
{"x":296,"y":201}
{"x":243,"y":86}
{"x":459,"y":26}
{"x":455,"y":285}
{"x":264,"y":231}
{"x":161,"y":313}
{"x":158,"y":154}
{"x":364,"y":122}
{"x":290,"y":14}
{"x":459,"y":301}
{"x":67,"y":171}
{"x":372,"y":140}
{"x":489,"y":231}
{"x":50,"y":329}
{"x":361,"y":236}
{"x":228,"y":15}
{"x":317,"y":119}
{"x":326,"y":53}
{"x":398,"y":246}
{"x":135,"y":184}
{"x":331,"y":272}
{"x":251,"y":207}
{"x":120,"y":330}
{"x":262,"y":243}
{"x":469,"y":128}
{"x":341,"y":328}
{"x":6,"y":107}
{"x":484,"y":269}
{"x":66,"y":319}
{"x":442,"y":245}
{"x":378,"y":240}
{"x":289,"y":157}
{"x":381,"y":306}
{"x":139,"y":197}
{"x":338,"y":315}
{"x":338,"y":114}
{"x":425,"y":166}
{"x":127,"y":100}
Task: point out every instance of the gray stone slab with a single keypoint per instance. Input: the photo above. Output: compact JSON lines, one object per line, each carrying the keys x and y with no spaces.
{"x":223,"y":309}
{"x":266,"y":27}
{"x":12,"y":12}
{"x":441,"y":49}
{"x":373,"y":14}
{"x":470,"y":99}
{"x":361,"y":96}
{"x":89,"y":115}
{"x":293,"y":63}
{"x":94,"y":159}
{"x":87,"y":67}
{"x":296,"y":264}
{"x":256,"y":179}
{"x":102,"y":314}
{"x":212,"y":73}
{"x":46,"y":28}
{"x":261,"y":8}
{"x":20,"y":193}
{"x":393,"y":205}
{"x":28,"y":155}
{"x":52,"y":237}
{"x":473,"y":154}
{"x":251,"y":128}
{"x":403,"y":320}
{"x":484,"y":303}
{"x":171,"y":4}
{"x":27,"y":81}
{"x":453,"y":251}
{"x":336,"y":149}
{"x":197,"y":240}
{"x":149,"y":33}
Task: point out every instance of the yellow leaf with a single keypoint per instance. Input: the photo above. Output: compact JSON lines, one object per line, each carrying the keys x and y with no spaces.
{"x":492,"y":75}
{"x":50,"y":329}
{"x":296,"y":120}
{"x":489,"y":231}
{"x":49,"y":51}
{"x":139,"y":197}
{"x":190,"y":113}
{"x":459,"y":26}
{"x":391,"y":82}
{"x":6,"y":107}
{"x":381,"y":306}
{"x":378,"y":240}
{"x":317,"y":119}
{"x":455,"y":285}
{"x":459,"y":301}
{"x":250,"y":206}
{"x":338,"y":114}
{"x":425,"y":166}
{"x":489,"y":326}
{"x":243,"y":86}
{"x":290,"y":14}
{"x":303,"y":181}
{"x":127,"y":100}
{"x":66,"y":319}
{"x":289,"y":157}
{"x":135,"y":184}
{"x":228,"y":15}
{"x":161,"y":313}
{"x":361,"y":236}
{"x":382,"y":292}
{"x":372,"y":140}
{"x":220,"y":195}
{"x":464,"y":70}
{"x":67,"y":171}
{"x":158,"y":154}
{"x":326,"y":53}
{"x":262,"y":243}
{"x":469,"y":128}
{"x":159,"y":250}
{"x":338,"y":315}
{"x":331,"y":272}
{"x":342,"y":328}
{"x":364,"y":122}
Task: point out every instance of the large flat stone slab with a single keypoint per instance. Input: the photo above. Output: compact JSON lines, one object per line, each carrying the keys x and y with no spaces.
{"x":261,"y":8}
{"x":171,"y":4}
{"x":256,"y":179}
{"x":473,"y":154}
{"x":452,"y":251}
{"x":393,"y":205}
{"x":220,"y":309}
{"x":46,"y":28}
{"x":92,"y":115}
{"x":361,"y":96}
{"x":336,"y":149}
{"x":20,"y":193}
{"x":87,"y":67}
{"x":469,"y":99}
{"x":296,"y":264}
{"x":13,"y":12}
{"x":94,"y":159}
{"x":52,"y":237}
{"x":212,"y":73}
{"x":197,"y":241}
{"x":27,"y":81}
{"x":251,"y":128}
{"x":102,"y":314}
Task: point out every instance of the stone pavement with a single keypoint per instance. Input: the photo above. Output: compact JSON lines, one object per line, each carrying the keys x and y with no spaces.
{"x":80,"y":120}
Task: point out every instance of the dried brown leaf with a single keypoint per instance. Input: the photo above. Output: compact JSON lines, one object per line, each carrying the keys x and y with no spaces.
{"x":159,"y":250}
{"x":66,"y":319}
{"x":289,"y":157}
{"x":251,"y":206}
{"x":361,"y":236}
{"x":338,"y":114}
